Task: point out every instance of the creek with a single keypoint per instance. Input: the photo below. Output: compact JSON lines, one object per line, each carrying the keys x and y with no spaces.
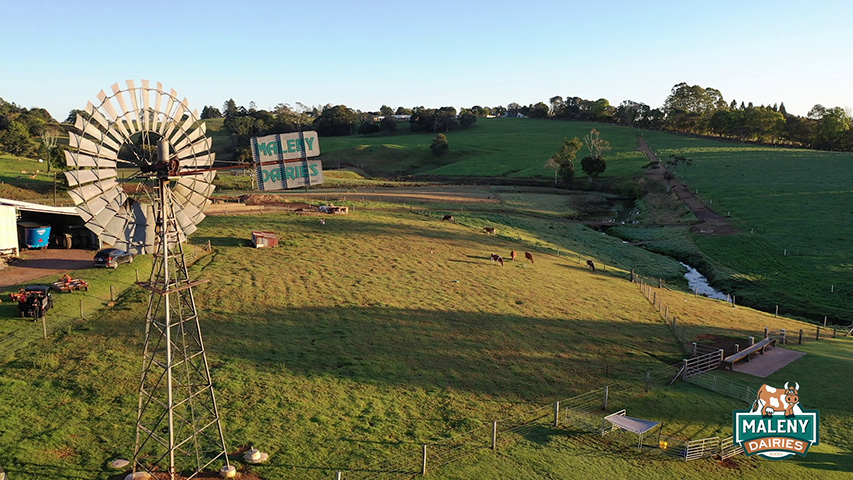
{"x":699,"y":284}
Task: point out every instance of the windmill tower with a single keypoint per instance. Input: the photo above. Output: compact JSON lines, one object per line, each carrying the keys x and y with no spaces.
{"x":141,"y":182}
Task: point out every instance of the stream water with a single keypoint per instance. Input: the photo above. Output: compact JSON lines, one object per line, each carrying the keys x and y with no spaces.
{"x":699,"y":284}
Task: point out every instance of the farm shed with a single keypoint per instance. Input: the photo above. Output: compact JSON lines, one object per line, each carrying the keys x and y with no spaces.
{"x":264,"y":239}
{"x":66,"y":223}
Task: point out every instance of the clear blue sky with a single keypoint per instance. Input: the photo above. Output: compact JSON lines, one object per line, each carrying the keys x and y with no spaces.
{"x":59,"y":54}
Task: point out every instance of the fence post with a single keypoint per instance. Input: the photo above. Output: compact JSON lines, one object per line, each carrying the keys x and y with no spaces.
{"x":801,"y":337}
{"x":137,"y":275}
{"x":556,"y":414}
{"x":338,"y":476}
{"x":737,"y":347}
{"x":751,"y":341}
{"x":777,"y":311}
{"x":833,"y":331}
{"x":655,"y":298}
{"x":693,"y":349}
{"x":112,"y":295}
{"x":817,"y":335}
{"x":766,"y":332}
{"x":494,"y":435}
{"x":684,"y":369}
{"x":666,"y":314}
{"x":81,"y":310}
{"x":606,"y":392}
{"x":44,"y":325}
{"x":824,"y":320}
{"x":648,"y":380}
{"x":423,"y":465}
{"x":632,"y":275}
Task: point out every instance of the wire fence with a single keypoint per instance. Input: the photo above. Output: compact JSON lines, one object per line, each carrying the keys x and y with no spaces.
{"x":53,"y":322}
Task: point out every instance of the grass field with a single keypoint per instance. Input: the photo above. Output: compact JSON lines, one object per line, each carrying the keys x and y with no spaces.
{"x":494,"y":147}
{"x":356,"y":341}
{"x":794,"y":213}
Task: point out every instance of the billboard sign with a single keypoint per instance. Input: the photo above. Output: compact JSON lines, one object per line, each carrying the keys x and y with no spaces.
{"x":285,"y":146}
{"x":278,"y":176}
{"x":281,"y":160}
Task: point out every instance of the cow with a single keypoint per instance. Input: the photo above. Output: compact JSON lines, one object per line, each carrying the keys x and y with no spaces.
{"x":498,"y":258}
{"x":528,"y":256}
{"x":590,"y":264}
{"x":770,"y":400}
{"x":448,"y":218}
{"x":489,"y":230}
{"x":512,"y":255}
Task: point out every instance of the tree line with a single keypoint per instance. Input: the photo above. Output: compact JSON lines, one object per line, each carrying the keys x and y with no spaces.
{"x":691,"y":109}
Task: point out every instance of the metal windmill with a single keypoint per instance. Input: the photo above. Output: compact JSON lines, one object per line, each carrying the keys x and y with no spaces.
{"x":141,"y":181}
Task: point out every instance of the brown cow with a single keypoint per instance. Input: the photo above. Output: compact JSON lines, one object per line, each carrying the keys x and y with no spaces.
{"x":590,"y":264}
{"x":489,"y":230}
{"x":449,"y":218}
{"x":528,"y":256}
{"x":512,"y":255}
{"x":498,"y":258}
{"x":771,"y":400}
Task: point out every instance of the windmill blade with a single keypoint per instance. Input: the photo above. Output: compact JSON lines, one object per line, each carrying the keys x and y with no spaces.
{"x":85,"y":193}
{"x":97,"y":116}
{"x":78,"y":177}
{"x":81,"y":160}
{"x":132,"y":93}
{"x":190,"y":137}
{"x":85,"y":145}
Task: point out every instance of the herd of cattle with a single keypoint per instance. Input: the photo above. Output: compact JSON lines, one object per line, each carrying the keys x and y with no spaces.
{"x":512,"y":254}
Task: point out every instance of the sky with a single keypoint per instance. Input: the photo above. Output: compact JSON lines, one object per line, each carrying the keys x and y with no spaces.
{"x":58,"y":55}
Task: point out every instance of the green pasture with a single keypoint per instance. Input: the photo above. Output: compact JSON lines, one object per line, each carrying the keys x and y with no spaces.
{"x":795,"y":218}
{"x":493,"y":147}
{"x":355,"y":342}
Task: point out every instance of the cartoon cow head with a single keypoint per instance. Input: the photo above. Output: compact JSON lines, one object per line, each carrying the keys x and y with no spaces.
{"x":791,"y":395}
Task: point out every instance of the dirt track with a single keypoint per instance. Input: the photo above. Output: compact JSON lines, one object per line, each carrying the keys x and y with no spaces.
{"x":39,"y":263}
{"x":711,"y":223}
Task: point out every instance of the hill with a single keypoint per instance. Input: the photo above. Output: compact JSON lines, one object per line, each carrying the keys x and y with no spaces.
{"x":357,"y":341}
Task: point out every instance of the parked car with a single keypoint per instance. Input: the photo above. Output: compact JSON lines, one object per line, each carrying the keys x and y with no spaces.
{"x":34,"y":300}
{"x":112,"y":258}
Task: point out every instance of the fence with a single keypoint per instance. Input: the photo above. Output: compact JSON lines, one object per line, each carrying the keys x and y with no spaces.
{"x":724,"y":386}
{"x":700,"y":364}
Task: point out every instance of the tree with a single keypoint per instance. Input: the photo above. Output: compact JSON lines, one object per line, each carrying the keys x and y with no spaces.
{"x":368,"y":128}
{"x":386,"y":111}
{"x":16,"y":139}
{"x":540,"y":110}
{"x":49,"y":138}
{"x":562,"y":162}
{"x":467,"y":120}
{"x":512,"y":109}
{"x":439,"y":146}
{"x":629,"y":112}
{"x":556,"y":105}
{"x":831,"y":128}
{"x":596,"y":146}
{"x":336,"y":121}
{"x":388,"y":124}
{"x":593,"y":166}
{"x":210,"y":112}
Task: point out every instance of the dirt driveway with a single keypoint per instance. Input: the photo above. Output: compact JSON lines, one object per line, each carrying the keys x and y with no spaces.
{"x":39,"y":263}
{"x":711,"y":223}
